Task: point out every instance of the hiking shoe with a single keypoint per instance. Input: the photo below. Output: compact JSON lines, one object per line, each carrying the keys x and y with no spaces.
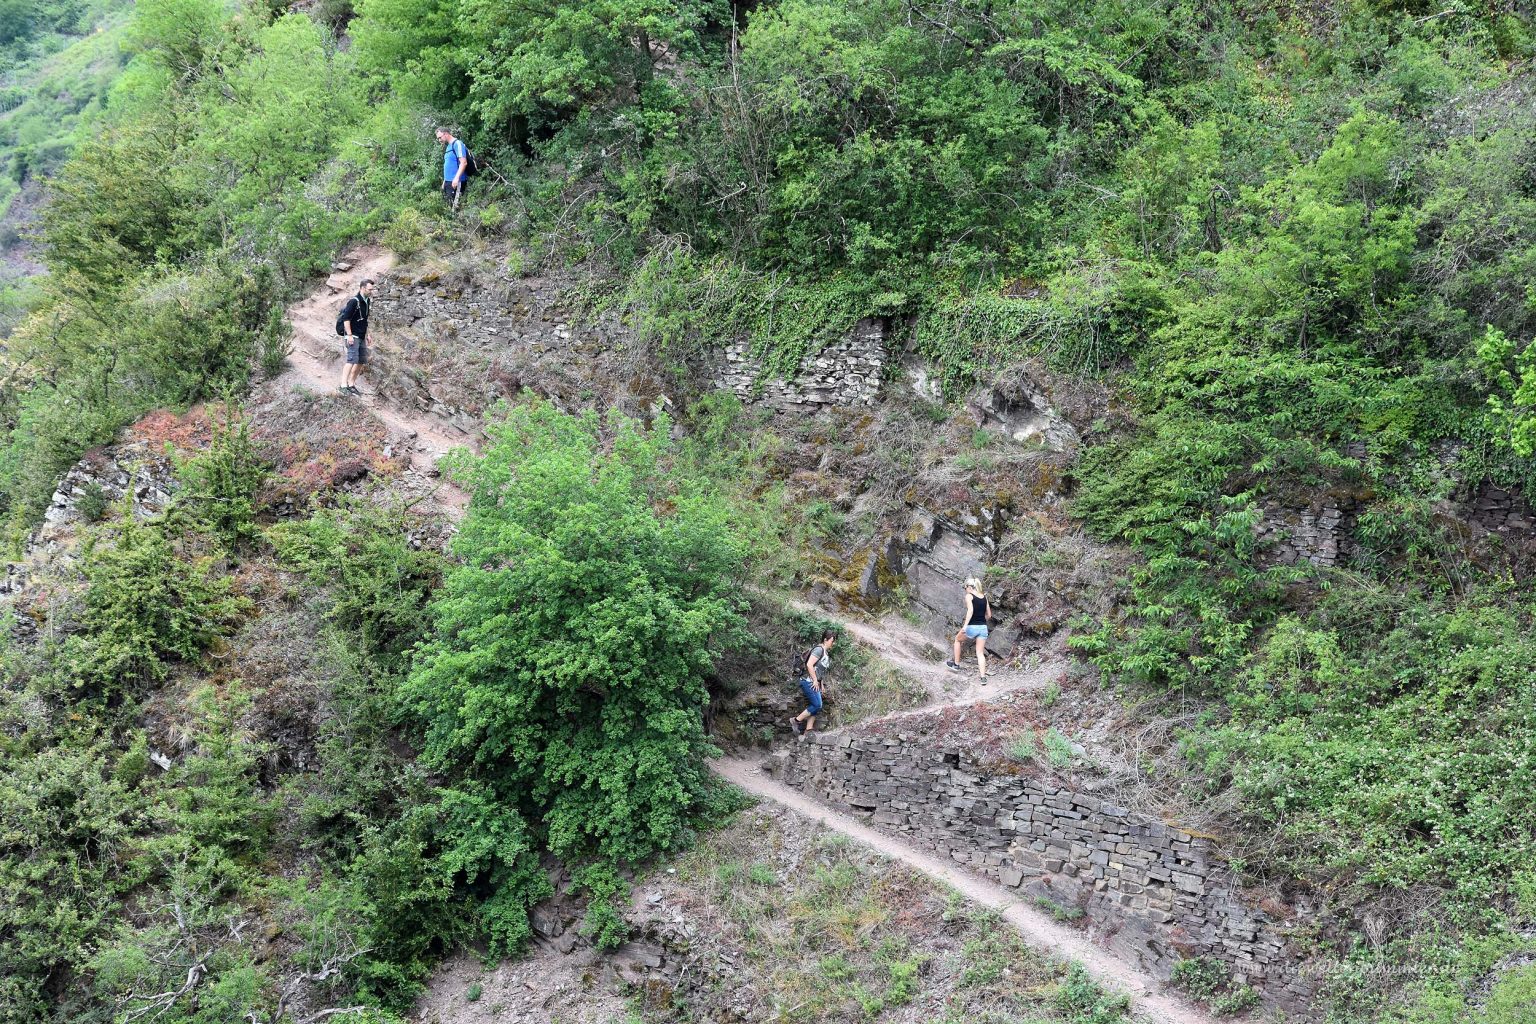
{"x":796,"y":726}
{"x":952,"y":666}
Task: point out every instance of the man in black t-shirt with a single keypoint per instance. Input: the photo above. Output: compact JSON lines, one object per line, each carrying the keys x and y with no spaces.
{"x":352,"y":325}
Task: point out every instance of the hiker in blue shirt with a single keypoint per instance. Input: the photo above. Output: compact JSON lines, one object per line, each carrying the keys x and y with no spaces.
{"x":455,"y":166}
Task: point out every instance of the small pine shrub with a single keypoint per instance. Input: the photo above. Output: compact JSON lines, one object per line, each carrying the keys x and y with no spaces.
{"x":276,"y":342}
{"x":221,"y":483}
{"x":146,"y":607}
{"x":93,"y":503}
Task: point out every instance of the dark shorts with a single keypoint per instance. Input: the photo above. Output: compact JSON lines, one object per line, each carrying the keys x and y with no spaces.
{"x":357,"y":351}
{"x":448,"y":190}
{"x":812,"y":696}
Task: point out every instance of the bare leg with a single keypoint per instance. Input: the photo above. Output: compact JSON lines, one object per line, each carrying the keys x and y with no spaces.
{"x":981,"y":656}
{"x":959,"y":639}
{"x":810,"y":724}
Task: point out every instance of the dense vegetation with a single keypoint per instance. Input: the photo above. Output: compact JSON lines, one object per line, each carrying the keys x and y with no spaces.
{"x":58,"y":58}
{"x":1297,"y":240}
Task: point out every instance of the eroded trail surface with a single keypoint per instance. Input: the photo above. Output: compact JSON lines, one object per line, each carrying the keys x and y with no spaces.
{"x":316,"y":364}
{"x":1149,"y":1002}
{"x":317,"y":360}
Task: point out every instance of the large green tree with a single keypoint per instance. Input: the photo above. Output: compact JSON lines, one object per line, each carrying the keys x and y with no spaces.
{"x":566,"y":677}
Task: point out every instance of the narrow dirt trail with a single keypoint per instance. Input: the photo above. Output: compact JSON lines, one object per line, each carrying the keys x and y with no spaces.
{"x":316,"y":365}
{"x":903,"y":647}
{"x":1149,"y":1001}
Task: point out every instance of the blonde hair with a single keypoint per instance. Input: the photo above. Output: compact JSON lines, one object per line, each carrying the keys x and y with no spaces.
{"x":972,"y":583}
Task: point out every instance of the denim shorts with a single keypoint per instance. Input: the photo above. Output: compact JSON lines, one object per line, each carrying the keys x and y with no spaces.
{"x":812,"y":696}
{"x":976,"y":632}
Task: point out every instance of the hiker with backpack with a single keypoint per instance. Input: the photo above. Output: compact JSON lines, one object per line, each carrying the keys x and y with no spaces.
{"x":977,"y":616}
{"x":812,"y":670}
{"x":352,"y":325}
{"x":458,"y":165}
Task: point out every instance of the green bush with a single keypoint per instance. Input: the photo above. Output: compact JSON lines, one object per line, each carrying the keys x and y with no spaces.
{"x":378,"y":582}
{"x":1083,"y":1001}
{"x":146,"y":608}
{"x":64,"y":820}
{"x":221,"y":484}
{"x":565,"y":677}
{"x":1349,"y":738}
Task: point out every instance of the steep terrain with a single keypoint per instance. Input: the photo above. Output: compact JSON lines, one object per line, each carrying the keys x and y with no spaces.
{"x":315,"y":367}
{"x":1200,"y":331}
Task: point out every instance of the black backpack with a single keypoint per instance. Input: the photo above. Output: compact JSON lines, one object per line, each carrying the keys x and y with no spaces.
{"x":341,"y":317}
{"x":798,"y":671}
{"x":472,"y":163}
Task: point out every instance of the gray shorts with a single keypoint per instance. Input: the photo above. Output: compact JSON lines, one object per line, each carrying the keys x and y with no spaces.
{"x":357,"y":351}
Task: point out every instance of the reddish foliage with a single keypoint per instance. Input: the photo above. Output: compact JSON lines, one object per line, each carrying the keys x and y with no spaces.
{"x":188,"y":432}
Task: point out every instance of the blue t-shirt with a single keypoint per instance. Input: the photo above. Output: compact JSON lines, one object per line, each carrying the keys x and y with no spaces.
{"x":453,"y":155}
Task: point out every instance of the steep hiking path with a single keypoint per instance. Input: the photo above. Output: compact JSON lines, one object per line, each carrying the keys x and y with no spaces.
{"x":907,"y":649}
{"x":315,"y":365}
{"x":921,"y":658}
{"x":1149,"y":1002}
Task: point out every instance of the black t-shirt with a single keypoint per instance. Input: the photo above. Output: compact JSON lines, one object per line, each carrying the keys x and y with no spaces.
{"x":978,"y":611}
{"x":356,"y":313}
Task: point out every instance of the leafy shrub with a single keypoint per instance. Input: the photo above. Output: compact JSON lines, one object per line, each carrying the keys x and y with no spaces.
{"x":1352,"y":730}
{"x":566,"y":670}
{"x":1085,"y":1002}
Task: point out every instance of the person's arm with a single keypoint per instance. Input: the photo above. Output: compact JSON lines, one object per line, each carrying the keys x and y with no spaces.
{"x":810,"y":668}
{"x":463,"y":156}
{"x":965,"y":616}
{"x":347,"y":316}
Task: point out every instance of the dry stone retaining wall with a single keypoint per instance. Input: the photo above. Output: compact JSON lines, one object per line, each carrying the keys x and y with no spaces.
{"x":1321,"y":534}
{"x":1501,"y":511}
{"x":846,"y":373}
{"x":528,"y":314}
{"x":1153,"y":892}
